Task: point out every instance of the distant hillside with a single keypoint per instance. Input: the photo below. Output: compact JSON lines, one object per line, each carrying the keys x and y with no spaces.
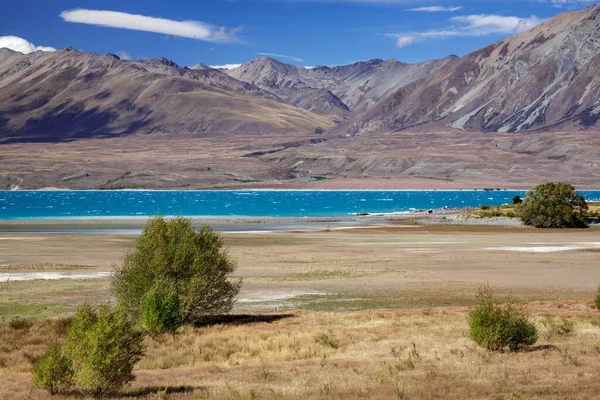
{"x":343,"y":90}
{"x":542,"y":79}
{"x":69,"y":94}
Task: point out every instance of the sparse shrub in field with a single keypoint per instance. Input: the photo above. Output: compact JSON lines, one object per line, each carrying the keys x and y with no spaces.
{"x":564,"y":327}
{"x":194,"y":264}
{"x":20,"y":324}
{"x":495,"y":326}
{"x":52,"y":371}
{"x":160,"y":311}
{"x":329,"y":340}
{"x":485,"y":207}
{"x":103,"y":347}
{"x":598,"y":299}
{"x":553,"y":205}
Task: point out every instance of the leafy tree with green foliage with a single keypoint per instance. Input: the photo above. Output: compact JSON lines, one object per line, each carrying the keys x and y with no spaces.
{"x":103,"y":347}
{"x":52,"y":371}
{"x":495,"y":326}
{"x":194,"y":264}
{"x":160,"y":310}
{"x":553,"y":205}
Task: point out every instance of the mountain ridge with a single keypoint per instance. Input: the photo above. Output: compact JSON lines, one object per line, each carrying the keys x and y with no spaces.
{"x":538,"y":80}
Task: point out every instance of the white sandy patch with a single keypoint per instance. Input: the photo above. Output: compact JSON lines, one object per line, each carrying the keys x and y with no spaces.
{"x":268,"y":295}
{"x":248,"y":232}
{"x":547,"y":249}
{"x":417,"y":250}
{"x":32,"y":276}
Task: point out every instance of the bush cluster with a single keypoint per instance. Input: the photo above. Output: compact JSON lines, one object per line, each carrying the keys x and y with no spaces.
{"x":553,"y":205}
{"x":496,"y":326}
{"x":194,"y":264}
{"x":101,"y":350}
{"x":173,"y":276}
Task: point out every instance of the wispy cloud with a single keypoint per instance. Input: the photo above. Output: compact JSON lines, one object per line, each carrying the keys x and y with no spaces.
{"x":226,"y":66}
{"x":21,"y":45}
{"x":123,"y":55}
{"x":436,"y":9}
{"x":280,"y":56}
{"x":470,"y":25}
{"x":115,"y":19}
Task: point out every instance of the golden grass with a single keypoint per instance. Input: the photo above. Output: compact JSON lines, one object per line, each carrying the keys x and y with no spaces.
{"x":406,"y":354}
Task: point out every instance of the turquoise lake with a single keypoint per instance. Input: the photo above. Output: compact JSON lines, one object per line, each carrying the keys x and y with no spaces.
{"x":254,"y":203}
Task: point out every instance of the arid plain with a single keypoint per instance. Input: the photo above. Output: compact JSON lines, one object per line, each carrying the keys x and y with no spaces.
{"x":377,"y":311}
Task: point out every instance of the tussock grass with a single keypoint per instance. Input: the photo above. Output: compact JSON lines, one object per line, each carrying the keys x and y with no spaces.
{"x":410,"y":354}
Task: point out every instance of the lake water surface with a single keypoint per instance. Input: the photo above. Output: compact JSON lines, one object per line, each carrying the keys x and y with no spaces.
{"x":17,"y":205}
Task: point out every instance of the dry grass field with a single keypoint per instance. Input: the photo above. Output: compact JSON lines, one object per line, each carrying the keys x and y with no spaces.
{"x":341,"y":313}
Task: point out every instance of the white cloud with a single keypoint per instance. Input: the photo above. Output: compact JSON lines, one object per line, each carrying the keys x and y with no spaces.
{"x":225,"y":66}
{"x":470,"y":25}
{"x":280,"y":56}
{"x":563,"y":3}
{"x":114,"y":19}
{"x":436,"y":9}
{"x":123,"y":55}
{"x":21,"y":45}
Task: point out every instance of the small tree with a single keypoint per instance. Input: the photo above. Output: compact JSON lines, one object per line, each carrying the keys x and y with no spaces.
{"x":194,"y":264}
{"x":496,"y":326}
{"x":553,"y":205}
{"x":103,"y":347}
{"x":160,"y":311}
{"x":52,"y":371}
{"x":517,"y":200}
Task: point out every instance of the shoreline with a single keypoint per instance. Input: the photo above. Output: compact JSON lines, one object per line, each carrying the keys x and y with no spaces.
{"x":441,"y":216}
{"x":54,"y":189}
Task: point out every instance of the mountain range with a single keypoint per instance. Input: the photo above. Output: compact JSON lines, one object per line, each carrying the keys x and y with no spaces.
{"x":295,"y":121}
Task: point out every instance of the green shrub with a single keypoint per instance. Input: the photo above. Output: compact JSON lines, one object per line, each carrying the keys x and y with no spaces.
{"x":598,"y":299}
{"x":52,"y":371}
{"x":160,"y":311}
{"x":496,"y":326}
{"x":553,"y":205}
{"x":103,"y":347}
{"x":195,"y":264}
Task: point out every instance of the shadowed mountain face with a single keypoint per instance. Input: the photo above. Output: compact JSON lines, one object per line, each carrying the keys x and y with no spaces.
{"x":343,"y":91}
{"x":542,"y":79}
{"x":68,"y":94}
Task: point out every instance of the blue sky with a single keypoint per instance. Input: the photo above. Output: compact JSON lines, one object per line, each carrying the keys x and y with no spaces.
{"x":302,"y":32}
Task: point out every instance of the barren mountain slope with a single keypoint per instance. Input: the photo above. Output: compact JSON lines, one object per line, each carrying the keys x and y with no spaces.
{"x":334,"y":90}
{"x":362,"y":84}
{"x":69,"y":94}
{"x":286,"y":81}
{"x":542,"y":79}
